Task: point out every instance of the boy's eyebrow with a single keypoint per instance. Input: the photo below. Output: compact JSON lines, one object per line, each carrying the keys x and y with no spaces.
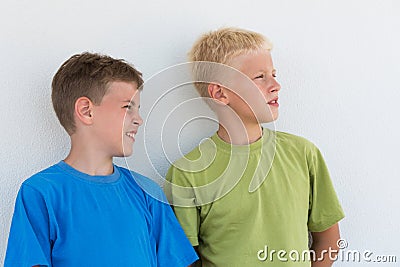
{"x":273,"y":70}
{"x":131,"y":102}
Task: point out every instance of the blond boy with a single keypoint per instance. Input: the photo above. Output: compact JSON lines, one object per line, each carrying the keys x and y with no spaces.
{"x":84,"y":210}
{"x":248,"y":191}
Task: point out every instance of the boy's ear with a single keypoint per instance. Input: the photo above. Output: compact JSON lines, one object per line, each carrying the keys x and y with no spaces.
{"x":218,"y":93}
{"x":84,"y":110}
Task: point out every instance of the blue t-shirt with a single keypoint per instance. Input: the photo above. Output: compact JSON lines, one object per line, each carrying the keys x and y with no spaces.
{"x":64,"y":217}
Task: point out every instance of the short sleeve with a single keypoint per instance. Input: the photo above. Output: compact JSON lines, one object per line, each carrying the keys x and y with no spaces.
{"x":324,"y":207}
{"x":29,"y":241}
{"x":173,"y":248}
{"x":188,"y":215}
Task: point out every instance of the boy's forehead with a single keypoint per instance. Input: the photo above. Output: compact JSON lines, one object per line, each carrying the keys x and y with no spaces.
{"x":258,"y":60}
{"x":121,"y":89}
{"x":122,"y":84}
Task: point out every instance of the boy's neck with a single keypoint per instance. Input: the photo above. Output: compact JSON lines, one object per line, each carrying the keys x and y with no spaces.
{"x":84,"y":158}
{"x":240,"y":135}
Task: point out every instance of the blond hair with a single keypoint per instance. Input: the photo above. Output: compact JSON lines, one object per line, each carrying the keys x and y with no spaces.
{"x":221,"y":46}
{"x":87,"y":75}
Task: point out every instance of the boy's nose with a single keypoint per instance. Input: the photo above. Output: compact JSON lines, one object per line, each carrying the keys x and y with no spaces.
{"x":138,"y":120}
{"x":275,"y":87}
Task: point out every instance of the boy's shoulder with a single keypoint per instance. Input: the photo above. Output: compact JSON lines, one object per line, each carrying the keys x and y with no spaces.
{"x":289,"y":139}
{"x":55,"y":178}
{"x":45,"y":177}
{"x":297,"y":147}
{"x":281,"y":138}
{"x":204,"y":154}
{"x":200,"y":156}
{"x":146,"y":184}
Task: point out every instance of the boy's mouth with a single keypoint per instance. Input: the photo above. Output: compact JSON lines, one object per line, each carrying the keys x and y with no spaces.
{"x":131,"y":135}
{"x":274,"y":102}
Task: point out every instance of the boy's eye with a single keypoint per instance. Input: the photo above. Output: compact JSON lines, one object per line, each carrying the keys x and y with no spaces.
{"x":262,"y":76}
{"x":127,"y":107}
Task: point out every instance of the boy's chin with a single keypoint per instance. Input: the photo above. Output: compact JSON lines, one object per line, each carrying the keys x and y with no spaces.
{"x":268,"y":120}
{"x":125,"y":153}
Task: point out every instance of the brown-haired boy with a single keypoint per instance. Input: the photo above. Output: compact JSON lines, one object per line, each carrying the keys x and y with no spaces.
{"x":84,"y":210}
{"x":248,"y":196}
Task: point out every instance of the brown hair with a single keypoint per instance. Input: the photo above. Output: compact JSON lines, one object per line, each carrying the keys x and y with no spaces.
{"x":88,"y":75}
{"x":221,"y":46}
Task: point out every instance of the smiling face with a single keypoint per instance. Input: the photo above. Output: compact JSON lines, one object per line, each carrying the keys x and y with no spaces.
{"x":116,"y":120}
{"x":254,"y":97}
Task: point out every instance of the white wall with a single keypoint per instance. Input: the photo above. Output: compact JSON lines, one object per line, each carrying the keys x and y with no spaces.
{"x":338,"y":63}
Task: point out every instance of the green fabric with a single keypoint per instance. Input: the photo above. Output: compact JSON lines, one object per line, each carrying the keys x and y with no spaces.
{"x":255,"y":205}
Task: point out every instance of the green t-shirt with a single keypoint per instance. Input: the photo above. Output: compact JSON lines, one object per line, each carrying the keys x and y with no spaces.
{"x":239,"y":204}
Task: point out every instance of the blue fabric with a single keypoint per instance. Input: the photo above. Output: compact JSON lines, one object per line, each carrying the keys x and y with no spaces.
{"x":64,"y":217}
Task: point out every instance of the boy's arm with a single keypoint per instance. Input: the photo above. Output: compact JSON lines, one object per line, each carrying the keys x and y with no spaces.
{"x":325,"y":211}
{"x":29,"y":230}
{"x":173,"y":248}
{"x":325,"y":246}
{"x":187,"y":217}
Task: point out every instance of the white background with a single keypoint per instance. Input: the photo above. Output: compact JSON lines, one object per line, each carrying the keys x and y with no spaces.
{"x":338,"y":63}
